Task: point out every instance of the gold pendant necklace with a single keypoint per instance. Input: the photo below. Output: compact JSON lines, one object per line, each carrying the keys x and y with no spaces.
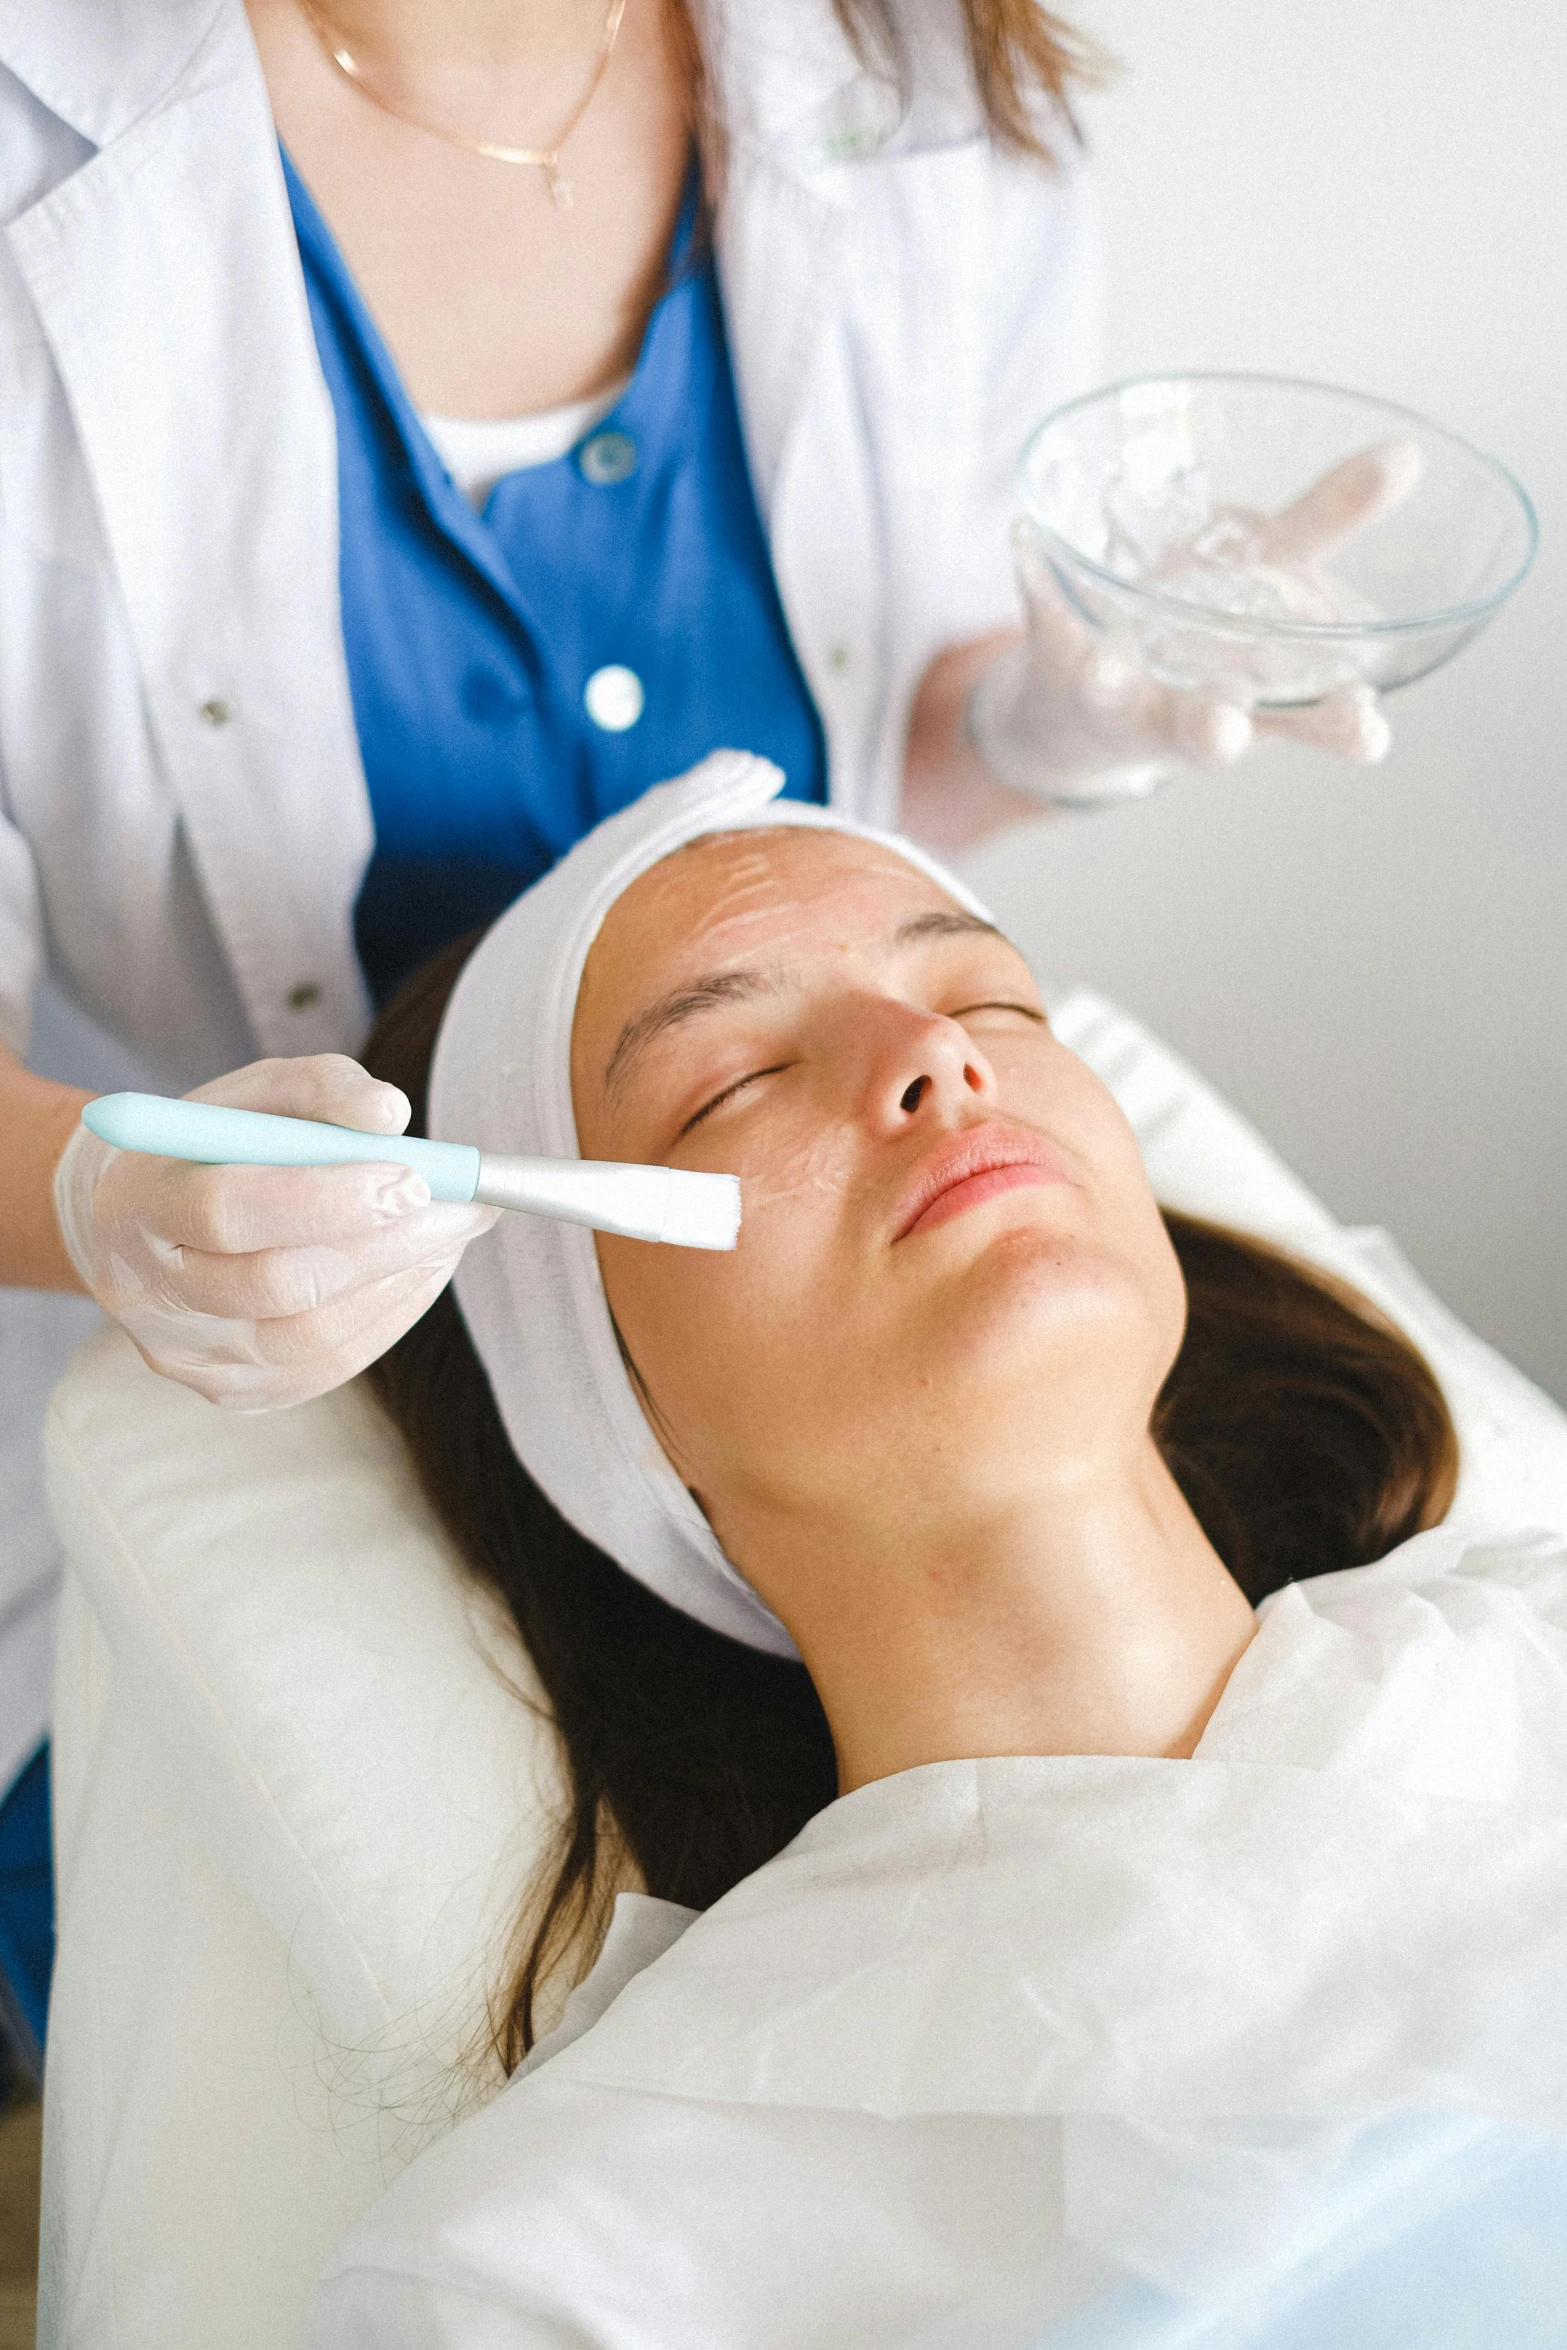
{"x":545,"y":159}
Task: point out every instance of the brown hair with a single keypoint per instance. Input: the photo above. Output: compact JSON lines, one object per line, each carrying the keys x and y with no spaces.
{"x":1304,"y":1430}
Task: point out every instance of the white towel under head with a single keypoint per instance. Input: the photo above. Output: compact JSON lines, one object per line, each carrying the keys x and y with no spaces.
{"x":530,"y":1291}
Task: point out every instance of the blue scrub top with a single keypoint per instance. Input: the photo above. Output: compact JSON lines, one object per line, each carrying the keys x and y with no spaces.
{"x":472,"y":639}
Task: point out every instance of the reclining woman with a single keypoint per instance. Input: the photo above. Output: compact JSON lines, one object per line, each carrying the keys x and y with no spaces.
{"x":1015,"y":1931}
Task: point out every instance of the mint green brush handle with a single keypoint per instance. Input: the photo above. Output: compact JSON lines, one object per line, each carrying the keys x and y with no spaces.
{"x":680,"y":1205}
{"x":218,"y":1137}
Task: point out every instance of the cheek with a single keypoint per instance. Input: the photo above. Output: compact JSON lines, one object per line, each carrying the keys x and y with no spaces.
{"x":1166,"y":1293}
{"x":725,"y":1343}
{"x":1127,"y":1229}
{"x":1148,"y":1253}
{"x":667,"y":1304}
{"x":794,"y":1165}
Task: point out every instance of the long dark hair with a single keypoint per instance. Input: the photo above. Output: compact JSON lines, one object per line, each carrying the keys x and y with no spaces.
{"x":1304,"y":1430}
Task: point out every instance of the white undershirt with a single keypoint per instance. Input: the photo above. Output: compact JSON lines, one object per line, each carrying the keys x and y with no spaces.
{"x":478,"y":451}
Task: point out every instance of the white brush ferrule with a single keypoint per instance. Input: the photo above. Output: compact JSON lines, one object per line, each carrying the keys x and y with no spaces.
{"x":667,"y":1204}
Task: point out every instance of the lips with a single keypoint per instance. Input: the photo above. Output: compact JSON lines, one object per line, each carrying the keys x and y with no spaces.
{"x":970,"y":1168}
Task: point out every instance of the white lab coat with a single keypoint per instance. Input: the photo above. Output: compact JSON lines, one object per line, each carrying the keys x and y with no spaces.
{"x":183,"y":813}
{"x":1143,"y":2051}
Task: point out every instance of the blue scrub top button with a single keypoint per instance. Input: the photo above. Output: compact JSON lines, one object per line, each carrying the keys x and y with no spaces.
{"x":608,"y":458}
{"x":613,"y":698}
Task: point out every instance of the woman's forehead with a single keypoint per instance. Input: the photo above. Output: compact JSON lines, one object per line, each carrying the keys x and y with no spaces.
{"x":724,"y":895}
{"x":774,"y":899}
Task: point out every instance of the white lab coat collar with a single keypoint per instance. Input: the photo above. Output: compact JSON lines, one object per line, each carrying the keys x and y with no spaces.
{"x":101,"y":68}
{"x":789,"y":82}
{"x":773,"y":69}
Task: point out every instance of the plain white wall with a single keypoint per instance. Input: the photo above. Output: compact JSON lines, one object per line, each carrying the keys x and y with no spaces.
{"x":1373,"y":965}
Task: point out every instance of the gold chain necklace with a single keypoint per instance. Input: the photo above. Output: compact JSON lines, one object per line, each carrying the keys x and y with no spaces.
{"x":545,"y":159}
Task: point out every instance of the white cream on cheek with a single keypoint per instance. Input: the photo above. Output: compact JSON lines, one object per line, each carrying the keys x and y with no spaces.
{"x":819,"y":1158}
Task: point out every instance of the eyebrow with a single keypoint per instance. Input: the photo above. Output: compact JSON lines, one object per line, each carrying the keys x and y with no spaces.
{"x":683,"y":1003}
{"x":942,"y":923}
{"x":732,"y":987}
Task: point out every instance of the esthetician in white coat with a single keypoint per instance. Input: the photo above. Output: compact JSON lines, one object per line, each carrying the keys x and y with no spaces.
{"x":377,"y":513}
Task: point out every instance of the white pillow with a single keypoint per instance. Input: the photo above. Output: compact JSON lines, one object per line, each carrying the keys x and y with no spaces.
{"x":358,"y":1730}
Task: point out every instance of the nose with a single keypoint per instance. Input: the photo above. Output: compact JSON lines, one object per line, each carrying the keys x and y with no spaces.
{"x":924,"y":1066}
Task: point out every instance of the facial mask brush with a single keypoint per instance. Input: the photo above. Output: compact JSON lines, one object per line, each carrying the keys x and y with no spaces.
{"x":671,"y":1204}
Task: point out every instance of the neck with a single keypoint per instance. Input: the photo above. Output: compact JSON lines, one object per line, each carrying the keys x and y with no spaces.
{"x":433,"y":36}
{"x":1092,"y":1618}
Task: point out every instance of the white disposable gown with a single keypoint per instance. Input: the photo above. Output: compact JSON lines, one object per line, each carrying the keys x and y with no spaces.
{"x":1268,"y":2047}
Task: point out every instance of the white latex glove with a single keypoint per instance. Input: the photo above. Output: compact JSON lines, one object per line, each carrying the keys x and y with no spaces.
{"x":1071,"y":714}
{"x":261,"y":1286}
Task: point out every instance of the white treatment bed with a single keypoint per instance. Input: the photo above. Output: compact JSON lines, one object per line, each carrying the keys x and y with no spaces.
{"x":299,"y":1788}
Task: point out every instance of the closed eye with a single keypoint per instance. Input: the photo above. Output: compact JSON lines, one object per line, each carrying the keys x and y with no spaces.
{"x":728,"y":1095}
{"x":1028,"y":1011}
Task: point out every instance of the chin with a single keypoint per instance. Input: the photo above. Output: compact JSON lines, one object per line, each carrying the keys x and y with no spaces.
{"x":1031,"y":1301}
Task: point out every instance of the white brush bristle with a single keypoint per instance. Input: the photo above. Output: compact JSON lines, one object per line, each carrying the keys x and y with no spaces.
{"x":703,"y":1211}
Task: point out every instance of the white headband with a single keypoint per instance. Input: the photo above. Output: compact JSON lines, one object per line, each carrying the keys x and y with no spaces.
{"x":530,"y":1291}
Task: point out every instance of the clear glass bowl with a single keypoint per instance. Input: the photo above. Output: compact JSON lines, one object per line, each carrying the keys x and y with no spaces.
{"x":1152,"y":502}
